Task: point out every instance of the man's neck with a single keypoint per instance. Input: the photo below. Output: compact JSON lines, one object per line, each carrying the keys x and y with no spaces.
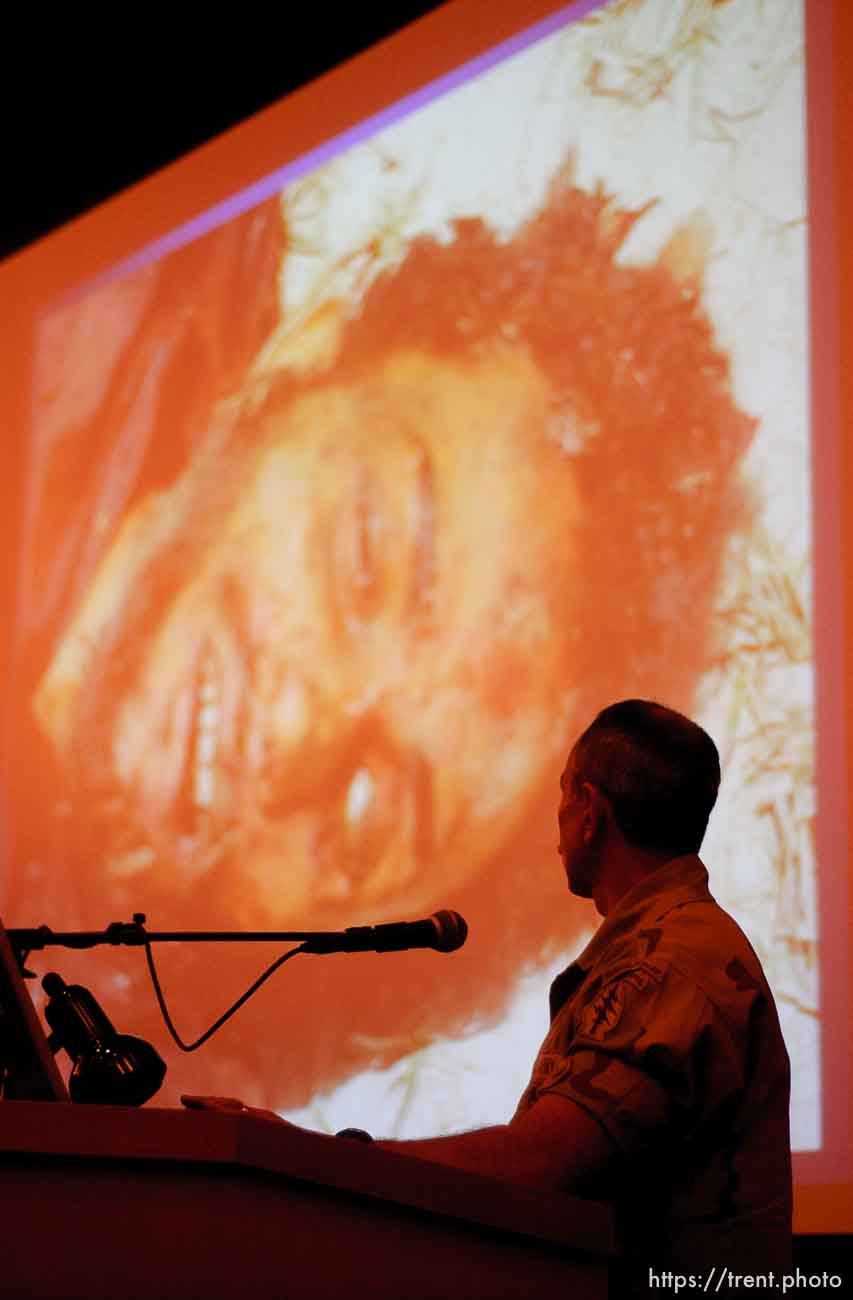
{"x":621,"y":872}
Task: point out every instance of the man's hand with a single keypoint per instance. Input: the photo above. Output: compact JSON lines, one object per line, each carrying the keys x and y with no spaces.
{"x":230,"y":1106}
{"x":555,"y":1144}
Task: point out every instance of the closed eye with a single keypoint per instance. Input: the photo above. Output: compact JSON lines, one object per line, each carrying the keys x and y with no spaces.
{"x":424,"y":562}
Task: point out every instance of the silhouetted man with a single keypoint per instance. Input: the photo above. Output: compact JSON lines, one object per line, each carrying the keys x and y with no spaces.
{"x":663,"y":1083}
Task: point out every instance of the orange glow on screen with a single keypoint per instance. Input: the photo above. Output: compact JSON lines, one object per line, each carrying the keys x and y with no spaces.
{"x":295,"y":687}
{"x":342,"y":519}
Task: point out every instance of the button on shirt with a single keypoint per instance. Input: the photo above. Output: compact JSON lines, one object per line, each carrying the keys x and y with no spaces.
{"x":666,"y":1032}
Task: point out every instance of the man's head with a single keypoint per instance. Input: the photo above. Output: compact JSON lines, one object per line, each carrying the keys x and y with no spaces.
{"x":639,"y":783}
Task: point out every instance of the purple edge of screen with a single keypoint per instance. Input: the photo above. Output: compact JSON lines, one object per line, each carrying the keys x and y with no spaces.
{"x":275,"y":181}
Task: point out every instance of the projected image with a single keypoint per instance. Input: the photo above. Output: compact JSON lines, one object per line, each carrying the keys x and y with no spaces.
{"x":290,"y":666}
{"x":347,"y":516}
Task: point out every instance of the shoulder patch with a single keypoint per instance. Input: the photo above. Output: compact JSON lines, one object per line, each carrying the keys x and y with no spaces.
{"x":604,"y":1012}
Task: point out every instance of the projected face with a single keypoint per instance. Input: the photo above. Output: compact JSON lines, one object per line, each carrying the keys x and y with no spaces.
{"x":343,"y":702}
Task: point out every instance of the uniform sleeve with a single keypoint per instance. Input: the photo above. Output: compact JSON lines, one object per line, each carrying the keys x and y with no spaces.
{"x":648,"y":1054}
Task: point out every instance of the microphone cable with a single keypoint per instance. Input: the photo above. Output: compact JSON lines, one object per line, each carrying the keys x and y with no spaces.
{"x":244,"y":997}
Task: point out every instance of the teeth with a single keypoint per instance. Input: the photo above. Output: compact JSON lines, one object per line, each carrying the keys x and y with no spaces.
{"x":208,"y":720}
{"x":359,"y":795}
{"x":204,"y":786}
{"x":207,"y":724}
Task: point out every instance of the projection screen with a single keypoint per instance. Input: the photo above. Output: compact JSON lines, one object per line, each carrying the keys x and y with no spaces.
{"x":359,"y":470}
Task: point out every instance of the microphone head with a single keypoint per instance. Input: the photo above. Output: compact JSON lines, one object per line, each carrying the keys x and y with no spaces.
{"x":451,"y":931}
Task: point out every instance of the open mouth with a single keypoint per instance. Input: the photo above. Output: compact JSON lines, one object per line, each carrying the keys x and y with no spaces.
{"x":212,"y":785}
{"x":362,"y":836}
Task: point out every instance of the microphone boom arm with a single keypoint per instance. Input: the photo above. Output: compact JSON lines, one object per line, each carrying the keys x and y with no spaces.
{"x":445,"y":931}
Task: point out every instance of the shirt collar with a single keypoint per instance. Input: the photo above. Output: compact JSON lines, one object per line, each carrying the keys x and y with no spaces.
{"x":681,"y":880}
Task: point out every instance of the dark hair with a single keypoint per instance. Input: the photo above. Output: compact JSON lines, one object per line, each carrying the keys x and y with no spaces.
{"x":660,"y":771}
{"x":630,"y":354}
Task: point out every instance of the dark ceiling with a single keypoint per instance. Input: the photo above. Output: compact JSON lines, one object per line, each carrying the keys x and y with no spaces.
{"x":87,"y":111}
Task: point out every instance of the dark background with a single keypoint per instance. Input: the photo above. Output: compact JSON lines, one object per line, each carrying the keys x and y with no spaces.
{"x":89,"y":108}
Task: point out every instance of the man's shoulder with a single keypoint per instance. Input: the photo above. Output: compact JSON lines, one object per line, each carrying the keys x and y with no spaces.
{"x":701,"y":933}
{"x":693,"y":941}
{"x":700,"y":943}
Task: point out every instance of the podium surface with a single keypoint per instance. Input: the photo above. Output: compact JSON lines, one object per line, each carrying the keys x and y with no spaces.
{"x":115,"y":1203}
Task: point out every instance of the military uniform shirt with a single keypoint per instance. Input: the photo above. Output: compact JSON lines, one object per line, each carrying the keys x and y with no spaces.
{"x":666,"y":1032}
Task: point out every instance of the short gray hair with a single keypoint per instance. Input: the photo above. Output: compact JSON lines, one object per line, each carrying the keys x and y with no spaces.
{"x":660,"y":771}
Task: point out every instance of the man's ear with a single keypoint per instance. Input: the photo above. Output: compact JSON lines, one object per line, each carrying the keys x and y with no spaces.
{"x":597,"y":811}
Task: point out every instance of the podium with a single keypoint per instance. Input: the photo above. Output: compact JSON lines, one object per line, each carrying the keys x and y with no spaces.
{"x":111,"y":1203}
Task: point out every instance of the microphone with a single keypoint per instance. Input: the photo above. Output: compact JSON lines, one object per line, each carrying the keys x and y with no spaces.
{"x":444,"y":931}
